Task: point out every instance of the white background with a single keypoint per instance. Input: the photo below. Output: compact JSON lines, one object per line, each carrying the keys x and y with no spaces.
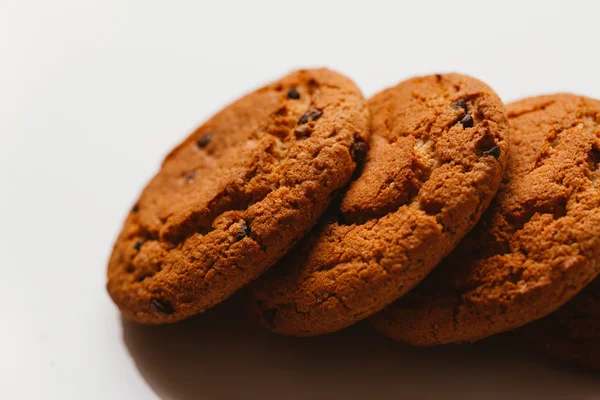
{"x":93,"y":95}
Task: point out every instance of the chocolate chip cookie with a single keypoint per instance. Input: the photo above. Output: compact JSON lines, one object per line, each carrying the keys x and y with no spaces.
{"x":236,"y":195}
{"x":535,"y":248}
{"x":572,"y":333}
{"x":437,"y":154}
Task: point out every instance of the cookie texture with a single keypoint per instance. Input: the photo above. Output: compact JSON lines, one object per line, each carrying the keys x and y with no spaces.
{"x":571,"y":334}
{"x":437,"y":153}
{"x":236,"y":195}
{"x":535,"y":248}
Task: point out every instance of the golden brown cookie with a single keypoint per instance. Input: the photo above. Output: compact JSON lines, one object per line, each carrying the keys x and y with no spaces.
{"x":535,"y":248}
{"x":437,"y":154}
{"x":236,"y":195}
{"x":572,"y":333}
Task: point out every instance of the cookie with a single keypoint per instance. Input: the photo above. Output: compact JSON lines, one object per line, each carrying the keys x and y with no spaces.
{"x":437,"y":153}
{"x":236,"y":195}
{"x":572,"y":333}
{"x":535,"y":248}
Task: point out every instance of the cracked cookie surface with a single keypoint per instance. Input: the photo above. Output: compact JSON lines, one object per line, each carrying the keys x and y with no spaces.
{"x":236,"y":195}
{"x":437,"y":153}
{"x":572,"y":333}
{"x":536,"y":246}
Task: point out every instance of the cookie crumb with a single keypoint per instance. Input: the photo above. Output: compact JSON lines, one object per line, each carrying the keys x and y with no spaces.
{"x":243,"y":231}
{"x":302,"y":132}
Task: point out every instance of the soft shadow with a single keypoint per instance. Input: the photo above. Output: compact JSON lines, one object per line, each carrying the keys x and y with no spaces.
{"x":223,"y":355}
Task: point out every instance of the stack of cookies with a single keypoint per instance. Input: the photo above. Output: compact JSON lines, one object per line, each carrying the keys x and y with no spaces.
{"x":431,"y":208}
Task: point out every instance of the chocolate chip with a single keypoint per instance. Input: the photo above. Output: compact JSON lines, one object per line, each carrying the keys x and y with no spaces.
{"x":462,"y":103}
{"x":138,"y":245}
{"x":494,"y":152}
{"x":243,"y":230}
{"x":190,"y":176}
{"x":358,"y":151}
{"x":204,"y":140}
{"x":311,"y":115}
{"x":485,"y":143}
{"x":136,"y":208}
{"x":293,"y":94}
{"x":595,"y":156}
{"x":467,"y":121}
{"x":162,"y":306}
{"x":302,"y":132}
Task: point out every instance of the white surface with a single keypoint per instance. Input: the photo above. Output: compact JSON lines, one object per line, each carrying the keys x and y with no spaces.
{"x":93,"y":95}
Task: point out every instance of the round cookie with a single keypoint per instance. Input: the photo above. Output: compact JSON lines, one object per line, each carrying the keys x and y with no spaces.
{"x":572,"y":333}
{"x":236,"y":195}
{"x":537,"y":245}
{"x":437,"y":154}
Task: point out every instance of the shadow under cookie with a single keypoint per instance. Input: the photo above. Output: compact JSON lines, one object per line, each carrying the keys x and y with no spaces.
{"x":222,"y":355}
